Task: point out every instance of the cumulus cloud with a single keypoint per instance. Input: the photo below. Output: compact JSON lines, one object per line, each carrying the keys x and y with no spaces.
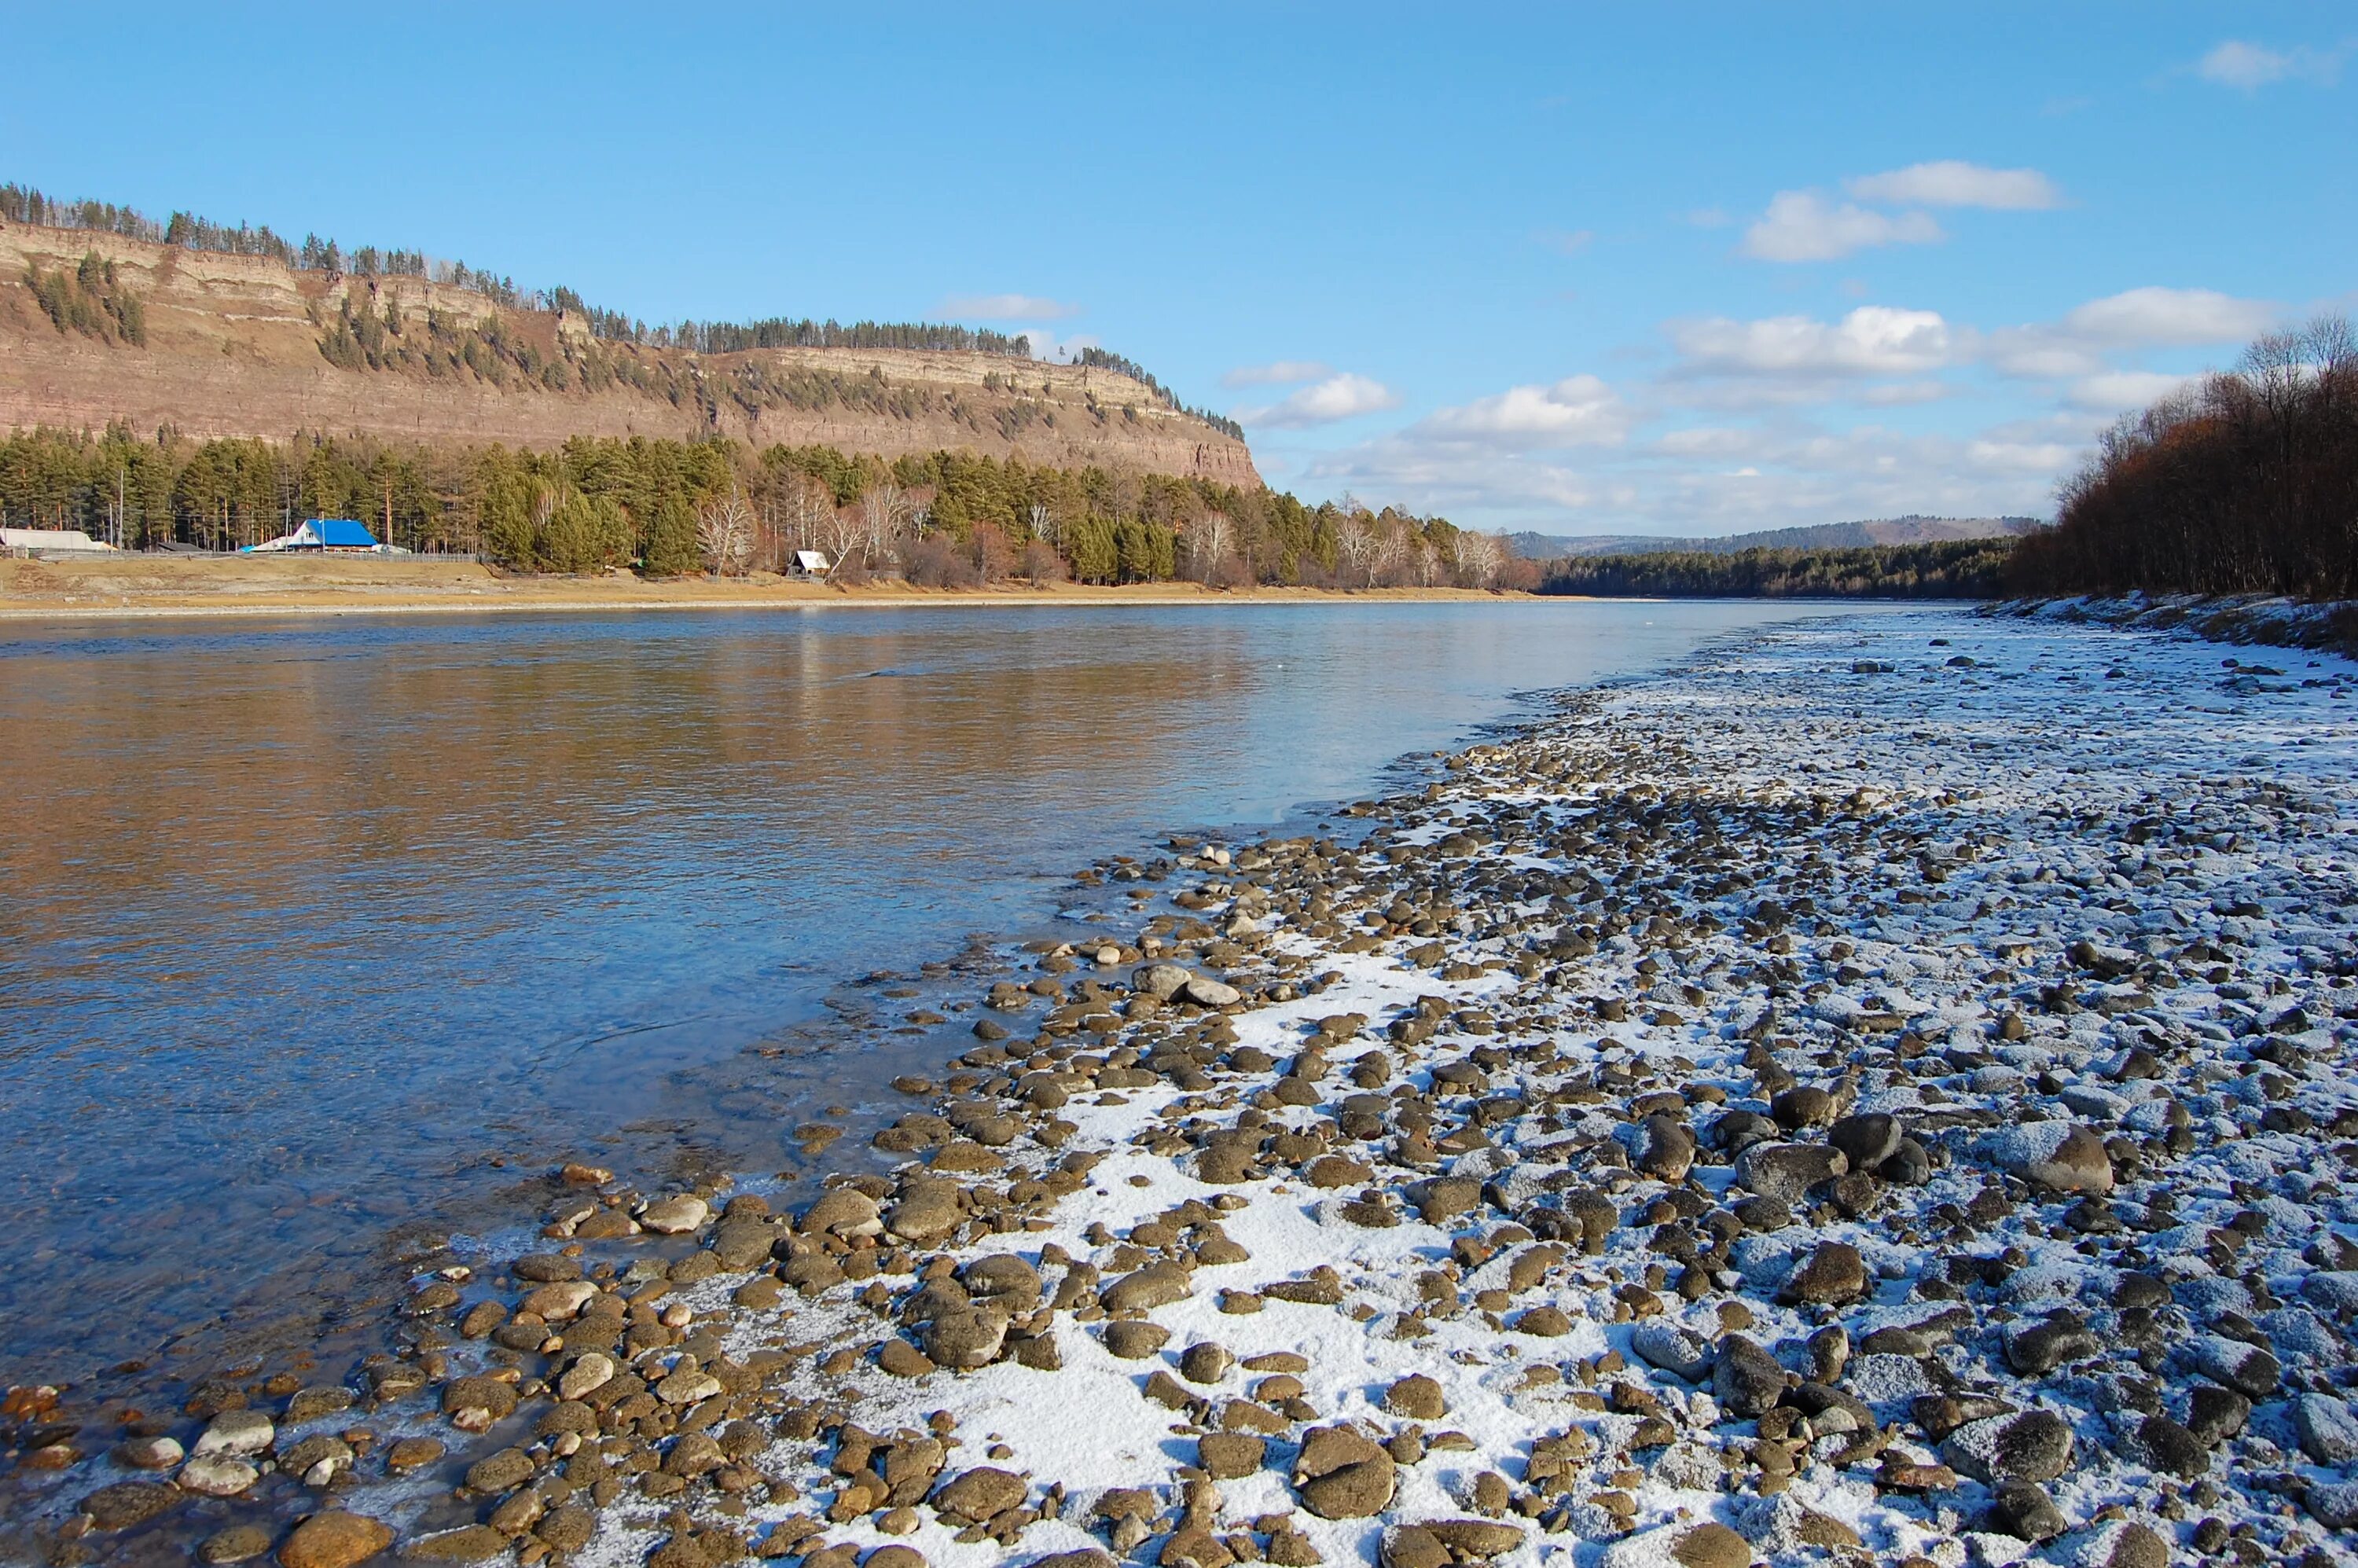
{"x":1008,"y":307}
{"x":2250,"y":65}
{"x":1578,"y":411}
{"x":2169,"y":316}
{"x":1951,"y":182}
{"x":1874,"y":339}
{"x":1338,"y":397}
{"x":1804,"y":225}
{"x":1282,"y":373}
{"x":2115,"y":392}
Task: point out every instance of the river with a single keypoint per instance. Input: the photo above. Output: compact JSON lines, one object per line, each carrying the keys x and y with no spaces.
{"x":321,"y":936}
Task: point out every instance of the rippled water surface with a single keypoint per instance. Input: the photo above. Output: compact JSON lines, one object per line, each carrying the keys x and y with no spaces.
{"x":312,"y":929}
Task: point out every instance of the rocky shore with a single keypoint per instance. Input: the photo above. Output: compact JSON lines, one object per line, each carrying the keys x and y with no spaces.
{"x":1881,"y":1094}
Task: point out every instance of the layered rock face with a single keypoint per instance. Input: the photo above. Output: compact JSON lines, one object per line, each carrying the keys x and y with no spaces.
{"x":245,"y":346}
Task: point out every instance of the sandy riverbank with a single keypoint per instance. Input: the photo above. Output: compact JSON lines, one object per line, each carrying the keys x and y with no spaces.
{"x":1879,"y":1094}
{"x":82,"y":587}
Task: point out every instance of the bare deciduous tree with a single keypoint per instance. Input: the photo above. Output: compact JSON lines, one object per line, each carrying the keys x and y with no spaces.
{"x":1354,"y":546}
{"x":884,"y":512}
{"x":725,"y":532}
{"x":1209,"y":541}
{"x":1479,"y":556}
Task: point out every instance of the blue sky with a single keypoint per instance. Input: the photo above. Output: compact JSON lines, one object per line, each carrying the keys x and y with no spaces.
{"x":1662,"y":269}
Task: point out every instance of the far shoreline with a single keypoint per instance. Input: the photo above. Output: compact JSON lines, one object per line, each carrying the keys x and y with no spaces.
{"x":153,"y":587}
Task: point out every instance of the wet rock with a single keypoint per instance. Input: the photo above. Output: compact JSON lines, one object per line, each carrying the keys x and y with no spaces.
{"x":238,"y":1431}
{"x":218,"y":1474}
{"x":334,"y":1540}
{"x":675,"y":1216}
{"x":590,"y":1371}
{"x":126,"y":1503}
{"x":148,"y":1453}
{"x":467,"y":1544}
{"x":238,"y":1543}
{"x":498,"y":1472}
{"x":489,"y":1398}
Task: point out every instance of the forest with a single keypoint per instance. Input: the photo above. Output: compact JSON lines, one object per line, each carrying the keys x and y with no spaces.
{"x":2246,"y":482}
{"x":1950,"y":568}
{"x":668,"y":508}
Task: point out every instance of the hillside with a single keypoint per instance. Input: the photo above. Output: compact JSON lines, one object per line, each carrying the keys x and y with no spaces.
{"x":217,"y":345}
{"x":1909,"y":530}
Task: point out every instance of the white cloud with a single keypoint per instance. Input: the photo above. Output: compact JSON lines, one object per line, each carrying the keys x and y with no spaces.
{"x":1874,"y":339}
{"x":1804,"y":225}
{"x":1008,"y":307}
{"x":2114,"y":392}
{"x":1566,"y":244}
{"x":2250,"y":65}
{"x":1951,"y":182}
{"x":1578,"y":411}
{"x":1282,"y":373}
{"x":1047,"y":346}
{"x":1338,"y":397}
{"x":2170,"y":316}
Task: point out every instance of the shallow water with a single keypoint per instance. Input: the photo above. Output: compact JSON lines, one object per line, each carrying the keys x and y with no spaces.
{"x":312,"y":929}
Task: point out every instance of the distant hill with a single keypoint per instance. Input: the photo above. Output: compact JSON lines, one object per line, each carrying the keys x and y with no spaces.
{"x":106,"y":316}
{"x":1909,"y":530}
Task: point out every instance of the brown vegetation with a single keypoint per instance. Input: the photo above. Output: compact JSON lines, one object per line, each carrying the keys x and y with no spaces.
{"x":2247,"y":483}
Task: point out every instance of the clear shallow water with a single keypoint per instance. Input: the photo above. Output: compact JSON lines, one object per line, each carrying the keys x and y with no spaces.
{"x":310,"y":931}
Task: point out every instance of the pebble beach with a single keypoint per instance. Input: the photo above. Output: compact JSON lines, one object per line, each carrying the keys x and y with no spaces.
{"x":1879,"y":1092}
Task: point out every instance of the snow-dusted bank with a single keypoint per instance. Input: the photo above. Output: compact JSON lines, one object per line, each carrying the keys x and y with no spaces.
{"x":1880,"y":1093}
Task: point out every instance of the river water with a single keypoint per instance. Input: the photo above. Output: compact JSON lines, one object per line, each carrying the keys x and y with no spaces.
{"x":319,"y":935}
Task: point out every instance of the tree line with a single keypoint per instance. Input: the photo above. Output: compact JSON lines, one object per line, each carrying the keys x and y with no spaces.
{"x":668,"y":507}
{"x":2246,"y":482}
{"x":1948,"y":568}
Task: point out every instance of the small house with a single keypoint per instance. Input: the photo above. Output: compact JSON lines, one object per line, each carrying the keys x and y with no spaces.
{"x":321,"y":534}
{"x":811,"y":563}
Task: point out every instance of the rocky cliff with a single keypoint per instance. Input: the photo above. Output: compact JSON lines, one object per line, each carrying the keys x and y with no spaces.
{"x":246,"y":346}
